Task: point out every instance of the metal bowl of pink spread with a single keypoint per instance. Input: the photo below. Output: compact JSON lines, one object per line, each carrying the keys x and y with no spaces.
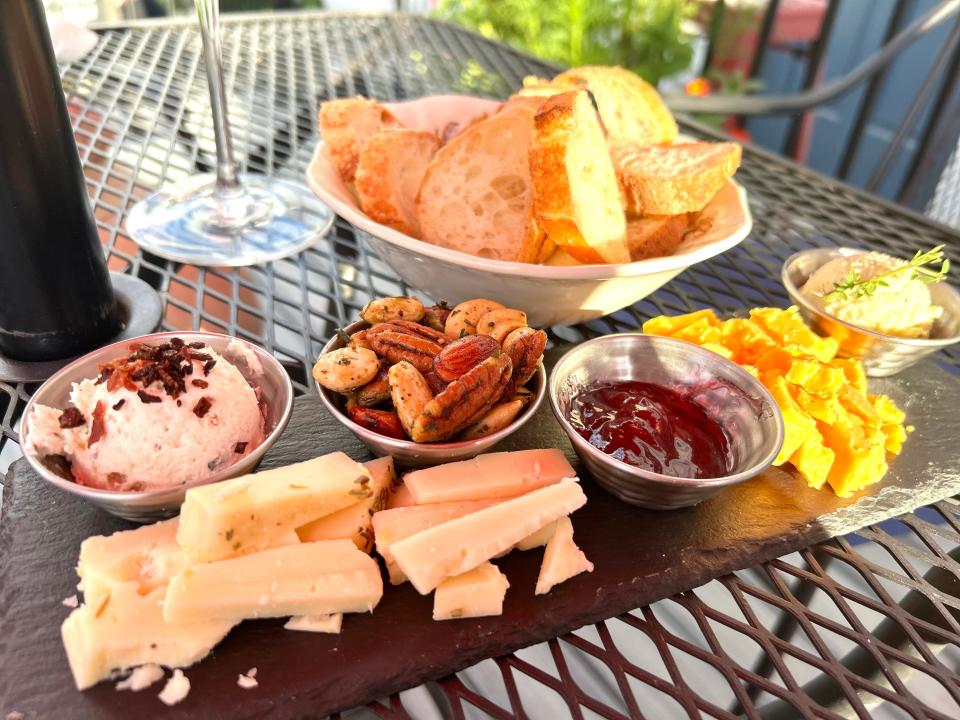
{"x":132,"y":426}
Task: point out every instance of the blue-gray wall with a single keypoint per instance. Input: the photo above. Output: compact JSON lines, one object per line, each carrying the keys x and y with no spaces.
{"x":858,"y":31}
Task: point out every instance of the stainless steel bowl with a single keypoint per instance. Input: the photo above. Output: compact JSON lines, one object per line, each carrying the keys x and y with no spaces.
{"x":413,"y":454}
{"x":730,"y":396}
{"x":882,"y":355}
{"x":277,"y":397}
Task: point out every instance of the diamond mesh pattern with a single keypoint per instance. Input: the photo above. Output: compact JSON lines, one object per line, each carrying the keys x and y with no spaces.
{"x":866,"y":623}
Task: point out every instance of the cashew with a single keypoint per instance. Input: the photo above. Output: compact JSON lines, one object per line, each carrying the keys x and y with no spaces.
{"x":463,"y":319}
{"x":409,"y":392}
{"x":392,"y":308}
{"x":346,"y":369}
{"x":498,"y":418}
{"x":500,"y":323}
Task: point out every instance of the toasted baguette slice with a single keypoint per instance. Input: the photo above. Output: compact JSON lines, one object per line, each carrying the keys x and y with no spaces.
{"x":346,"y":125}
{"x":673,"y":179}
{"x":655,"y":235}
{"x":476,"y":196}
{"x":632,"y":111}
{"x":575,"y":193}
{"x":391,"y":168}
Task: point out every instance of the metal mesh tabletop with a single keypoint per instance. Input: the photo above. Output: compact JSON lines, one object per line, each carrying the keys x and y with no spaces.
{"x":868,"y":623}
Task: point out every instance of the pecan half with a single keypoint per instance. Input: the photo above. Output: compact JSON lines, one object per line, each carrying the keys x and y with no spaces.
{"x":525,"y":347}
{"x":422,"y":330}
{"x":383,"y":422}
{"x":410,"y":393}
{"x":466,"y":398}
{"x":397,"y":343}
{"x":463,"y":355}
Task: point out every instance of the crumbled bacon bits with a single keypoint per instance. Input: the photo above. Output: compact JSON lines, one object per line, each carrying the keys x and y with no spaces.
{"x":240,"y":447}
{"x":71,"y":418}
{"x":166,"y":365}
{"x":202,"y":407}
{"x":98,"y":428}
{"x":200,"y":383}
{"x":119,"y":404}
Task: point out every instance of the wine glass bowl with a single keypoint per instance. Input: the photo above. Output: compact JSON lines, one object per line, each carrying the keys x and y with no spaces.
{"x":227,"y":218}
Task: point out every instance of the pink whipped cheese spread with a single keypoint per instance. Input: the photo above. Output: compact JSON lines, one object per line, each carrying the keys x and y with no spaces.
{"x":164,"y":415}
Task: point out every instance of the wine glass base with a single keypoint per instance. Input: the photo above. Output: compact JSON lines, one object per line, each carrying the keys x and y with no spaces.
{"x":262,"y":219}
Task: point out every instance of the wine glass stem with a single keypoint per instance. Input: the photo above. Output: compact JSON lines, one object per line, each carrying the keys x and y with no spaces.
{"x":208,"y":12}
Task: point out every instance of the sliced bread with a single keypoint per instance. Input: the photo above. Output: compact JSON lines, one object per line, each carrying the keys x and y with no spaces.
{"x":476,"y":196}
{"x":655,"y":235}
{"x":673,"y":179}
{"x":389,"y":173}
{"x":346,"y":125}
{"x":632,"y":110}
{"x":576,"y":198}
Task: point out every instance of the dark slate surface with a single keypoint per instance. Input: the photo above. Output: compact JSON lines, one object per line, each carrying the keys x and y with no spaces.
{"x":640,"y":556}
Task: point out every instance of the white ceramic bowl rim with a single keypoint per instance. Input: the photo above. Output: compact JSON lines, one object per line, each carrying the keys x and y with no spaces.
{"x":93,"y":492}
{"x":749,"y":385}
{"x":799,"y":297}
{"x":404,"y":445}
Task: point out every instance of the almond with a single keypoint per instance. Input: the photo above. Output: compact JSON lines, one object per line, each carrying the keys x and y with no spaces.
{"x":463,"y":355}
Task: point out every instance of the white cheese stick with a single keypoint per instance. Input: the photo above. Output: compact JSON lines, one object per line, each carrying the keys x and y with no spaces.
{"x":354,"y":521}
{"x":249,"y":513}
{"x":126,"y":629}
{"x":489,"y":477}
{"x":453,"y":548}
{"x":475,"y":593}
{"x":319,"y":578}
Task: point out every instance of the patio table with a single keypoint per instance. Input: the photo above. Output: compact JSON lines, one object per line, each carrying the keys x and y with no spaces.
{"x":865,"y":623}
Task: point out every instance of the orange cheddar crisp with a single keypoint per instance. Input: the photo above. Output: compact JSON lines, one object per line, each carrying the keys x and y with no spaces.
{"x":835,"y":433}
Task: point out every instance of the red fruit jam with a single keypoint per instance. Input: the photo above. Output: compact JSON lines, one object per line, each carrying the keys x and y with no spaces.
{"x":652,"y":427}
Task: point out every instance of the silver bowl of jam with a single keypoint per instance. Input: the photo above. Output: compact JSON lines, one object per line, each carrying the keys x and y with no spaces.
{"x":662,"y":423}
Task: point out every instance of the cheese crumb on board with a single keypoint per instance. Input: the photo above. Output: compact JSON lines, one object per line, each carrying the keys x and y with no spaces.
{"x":318,"y":578}
{"x":489,"y":477}
{"x":246,"y":514}
{"x":476,"y":593}
{"x":354,"y":521}
{"x":141,"y":678}
{"x":316,"y":623}
{"x":562,"y":559}
{"x":70,"y":602}
{"x":176,"y":689}
{"x":453,"y":548}
{"x":248,"y":681}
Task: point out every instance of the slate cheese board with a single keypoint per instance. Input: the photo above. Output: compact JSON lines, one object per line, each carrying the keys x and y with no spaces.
{"x":640,"y":556}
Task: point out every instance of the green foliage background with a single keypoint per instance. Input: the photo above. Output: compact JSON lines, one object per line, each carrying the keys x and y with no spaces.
{"x":644,"y":35}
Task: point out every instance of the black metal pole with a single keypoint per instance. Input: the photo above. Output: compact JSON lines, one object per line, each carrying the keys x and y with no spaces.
{"x":55,"y":294}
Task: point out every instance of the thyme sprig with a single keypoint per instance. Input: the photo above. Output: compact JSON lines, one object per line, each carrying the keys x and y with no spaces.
{"x":853,"y":287}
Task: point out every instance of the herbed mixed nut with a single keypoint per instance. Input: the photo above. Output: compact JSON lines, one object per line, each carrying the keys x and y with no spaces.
{"x":432,"y":374}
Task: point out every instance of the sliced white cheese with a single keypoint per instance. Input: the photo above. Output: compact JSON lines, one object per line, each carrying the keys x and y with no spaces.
{"x":538,"y":539}
{"x":475,"y":593}
{"x":562,"y":559}
{"x":126,"y":629}
{"x":390,"y":526}
{"x":354,"y":521}
{"x":487,"y":477}
{"x":248,"y":514}
{"x":316,"y":623}
{"x":318,"y":578}
{"x":452,"y":548}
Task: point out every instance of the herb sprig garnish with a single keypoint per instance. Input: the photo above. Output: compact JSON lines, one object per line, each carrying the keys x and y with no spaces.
{"x":853,"y":286}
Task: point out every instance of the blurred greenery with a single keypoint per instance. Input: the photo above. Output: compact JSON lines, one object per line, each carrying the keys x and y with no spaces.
{"x":646,"y":36}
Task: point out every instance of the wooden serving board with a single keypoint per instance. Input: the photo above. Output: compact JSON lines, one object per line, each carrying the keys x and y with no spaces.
{"x":640,"y":556}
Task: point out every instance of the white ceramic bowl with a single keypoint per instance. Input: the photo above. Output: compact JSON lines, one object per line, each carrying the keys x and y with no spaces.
{"x":550,"y":295}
